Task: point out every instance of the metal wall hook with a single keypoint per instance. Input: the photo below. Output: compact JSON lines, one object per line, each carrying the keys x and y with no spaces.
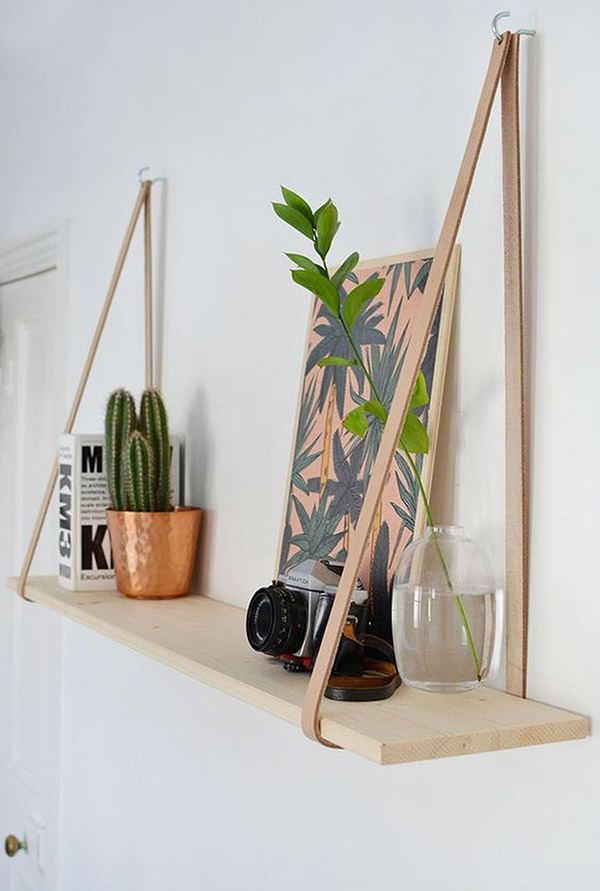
{"x":502,"y":15}
{"x":143,"y":179}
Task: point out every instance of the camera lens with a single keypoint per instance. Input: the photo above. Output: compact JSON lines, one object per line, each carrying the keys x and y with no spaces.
{"x":276,"y":620}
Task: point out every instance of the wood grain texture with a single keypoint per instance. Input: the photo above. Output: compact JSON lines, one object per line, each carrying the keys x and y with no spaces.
{"x":206,"y":640}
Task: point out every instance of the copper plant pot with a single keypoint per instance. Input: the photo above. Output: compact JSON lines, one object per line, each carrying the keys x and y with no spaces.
{"x":154,"y":552}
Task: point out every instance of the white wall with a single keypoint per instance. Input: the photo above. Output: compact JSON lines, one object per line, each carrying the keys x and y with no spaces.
{"x":168,"y":784}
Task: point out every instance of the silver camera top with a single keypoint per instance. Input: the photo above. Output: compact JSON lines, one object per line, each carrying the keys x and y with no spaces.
{"x":319,"y":576}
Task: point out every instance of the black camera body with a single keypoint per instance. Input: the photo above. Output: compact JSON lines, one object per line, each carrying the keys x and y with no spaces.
{"x":287,"y":620}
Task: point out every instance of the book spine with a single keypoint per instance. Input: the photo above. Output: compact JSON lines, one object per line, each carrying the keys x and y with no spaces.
{"x":66,"y":563}
{"x":85,"y":554}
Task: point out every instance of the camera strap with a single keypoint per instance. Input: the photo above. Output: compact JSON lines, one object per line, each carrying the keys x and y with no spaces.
{"x":379,"y":678}
{"x":503,"y":65}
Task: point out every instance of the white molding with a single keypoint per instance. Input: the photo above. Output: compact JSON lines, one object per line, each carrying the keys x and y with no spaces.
{"x":47,"y":250}
{"x":31,"y":257}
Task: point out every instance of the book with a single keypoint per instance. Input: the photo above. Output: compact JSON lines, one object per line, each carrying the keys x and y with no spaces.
{"x":84,"y":554}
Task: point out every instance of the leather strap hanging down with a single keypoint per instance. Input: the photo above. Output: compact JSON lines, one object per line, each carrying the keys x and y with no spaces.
{"x":148,"y":327}
{"x":311,"y":722}
{"x":142,"y":200}
{"x":516,"y":488}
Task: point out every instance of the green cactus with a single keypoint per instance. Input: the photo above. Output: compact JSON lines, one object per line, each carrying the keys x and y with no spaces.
{"x":139,"y":468}
{"x":121,"y":420}
{"x":154,"y":426}
{"x":138,"y":453}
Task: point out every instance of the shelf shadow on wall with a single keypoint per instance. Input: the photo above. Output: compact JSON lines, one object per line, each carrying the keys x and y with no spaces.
{"x":197,"y":462}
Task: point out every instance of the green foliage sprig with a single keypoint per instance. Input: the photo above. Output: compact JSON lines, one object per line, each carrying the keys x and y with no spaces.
{"x":320,"y":227}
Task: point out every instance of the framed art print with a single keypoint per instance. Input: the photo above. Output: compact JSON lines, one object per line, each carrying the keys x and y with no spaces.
{"x":329,"y":466}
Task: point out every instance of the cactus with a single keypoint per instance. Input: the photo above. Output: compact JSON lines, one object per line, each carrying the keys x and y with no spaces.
{"x":138,"y":454}
{"x":121,"y":420}
{"x":154,"y":426}
{"x":139,"y":468}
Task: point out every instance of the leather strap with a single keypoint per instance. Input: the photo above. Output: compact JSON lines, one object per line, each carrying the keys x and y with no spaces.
{"x":142,"y":200}
{"x":311,"y":722}
{"x":516,"y":487}
{"x":148,"y":325}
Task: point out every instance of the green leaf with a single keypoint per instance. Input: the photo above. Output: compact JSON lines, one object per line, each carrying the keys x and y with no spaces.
{"x":327,"y":226}
{"x":294,"y":218}
{"x":375,"y":408}
{"x":414,"y":436}
{"x":320,"y":210}
{"x":358,"y":297}
{"x":356,"y":421}
{"x":322,"y":287}
{"x":420,"y":395}
{"x":336,"y":360}
{"x":339,"y":276}
{"x":298,"y":203}
{"x":306,"y":263}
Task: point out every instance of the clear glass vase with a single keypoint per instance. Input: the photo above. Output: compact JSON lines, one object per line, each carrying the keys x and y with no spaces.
{"x":443,"y":612}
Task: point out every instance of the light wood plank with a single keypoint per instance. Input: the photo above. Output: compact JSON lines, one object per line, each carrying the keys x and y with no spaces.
{"x":206,"y":639}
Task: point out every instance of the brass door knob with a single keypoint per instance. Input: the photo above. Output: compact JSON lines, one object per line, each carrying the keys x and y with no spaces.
{"x":12,"y":845}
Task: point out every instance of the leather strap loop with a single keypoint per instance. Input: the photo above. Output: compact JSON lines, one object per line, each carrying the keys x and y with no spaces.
{"x":142,"y":201}
{"x":311,"y":723}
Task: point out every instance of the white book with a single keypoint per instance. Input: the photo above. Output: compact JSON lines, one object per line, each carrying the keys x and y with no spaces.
{"x":84,"y":554}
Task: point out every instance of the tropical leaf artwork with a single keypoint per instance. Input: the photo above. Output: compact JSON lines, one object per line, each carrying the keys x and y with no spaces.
{"x":305,"y":453}
{"x":379,"y":586}
{"x":317,"y":537}
{"x":330,"y":466}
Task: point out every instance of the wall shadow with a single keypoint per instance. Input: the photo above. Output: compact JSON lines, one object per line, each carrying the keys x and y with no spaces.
{"x":195,"y":473}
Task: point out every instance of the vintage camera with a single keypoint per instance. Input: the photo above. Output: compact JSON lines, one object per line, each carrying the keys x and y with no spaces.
{"x":287,"y":619}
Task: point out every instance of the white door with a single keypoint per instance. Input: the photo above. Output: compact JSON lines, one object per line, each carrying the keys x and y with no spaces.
{"x":31,"y":411}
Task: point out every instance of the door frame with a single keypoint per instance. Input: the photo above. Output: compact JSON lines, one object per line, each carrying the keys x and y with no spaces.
{"x":43,"y":252}
{"x":46,"y":251}
{"x":32,"y":257}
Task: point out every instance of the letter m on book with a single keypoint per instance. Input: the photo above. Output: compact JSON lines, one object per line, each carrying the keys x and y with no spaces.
{"x":91,"y":459}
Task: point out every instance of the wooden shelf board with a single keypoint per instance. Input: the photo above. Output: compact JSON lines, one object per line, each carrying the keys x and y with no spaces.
{"x":206,"y":639}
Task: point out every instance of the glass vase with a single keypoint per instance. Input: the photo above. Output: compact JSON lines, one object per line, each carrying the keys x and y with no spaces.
{"x":443,"y":612}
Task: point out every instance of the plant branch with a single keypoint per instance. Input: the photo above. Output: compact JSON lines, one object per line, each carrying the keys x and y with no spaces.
{"x":427,"y":506}
{"x":457,"y":598}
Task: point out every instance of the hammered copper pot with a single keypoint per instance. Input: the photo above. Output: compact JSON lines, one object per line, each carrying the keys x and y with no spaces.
{"x":154,"y":552}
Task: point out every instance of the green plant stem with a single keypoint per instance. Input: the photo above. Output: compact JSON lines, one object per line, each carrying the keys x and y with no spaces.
{"x":415,"y":470}
{"x":457,"y":597}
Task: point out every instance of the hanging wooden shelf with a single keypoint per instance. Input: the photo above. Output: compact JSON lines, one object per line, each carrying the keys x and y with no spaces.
{"x":206,"y":639}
